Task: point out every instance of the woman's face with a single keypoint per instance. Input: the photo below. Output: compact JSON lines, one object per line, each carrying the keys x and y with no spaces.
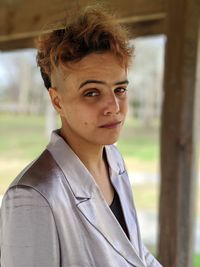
{"x":91,"y":99}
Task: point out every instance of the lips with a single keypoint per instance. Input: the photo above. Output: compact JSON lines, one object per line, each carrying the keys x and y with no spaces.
{"x":111,"y":125}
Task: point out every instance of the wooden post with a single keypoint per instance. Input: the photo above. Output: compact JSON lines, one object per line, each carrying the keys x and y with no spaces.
{"x":178,"y":135}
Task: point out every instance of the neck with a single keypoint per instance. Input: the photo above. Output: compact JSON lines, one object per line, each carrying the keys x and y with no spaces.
{"x":91,"y":155}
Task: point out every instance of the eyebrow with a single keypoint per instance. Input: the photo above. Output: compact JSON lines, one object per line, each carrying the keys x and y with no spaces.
{"x":101,"y":82}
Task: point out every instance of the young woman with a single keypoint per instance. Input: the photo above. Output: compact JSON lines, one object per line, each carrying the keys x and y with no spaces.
{"x":73,"y":205}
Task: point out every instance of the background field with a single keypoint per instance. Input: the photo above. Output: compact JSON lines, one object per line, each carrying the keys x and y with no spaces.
{"x":22,"y":139}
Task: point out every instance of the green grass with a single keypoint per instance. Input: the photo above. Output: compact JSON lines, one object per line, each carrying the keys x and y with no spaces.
{"x":22,"y":137}
{"x":196,"y":260}
{"x":139,"y":143}
{"x":141,"y":148}
{"x":146,"y":196}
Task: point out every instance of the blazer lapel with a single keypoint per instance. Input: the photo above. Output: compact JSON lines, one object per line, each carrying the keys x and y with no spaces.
{"x":94,"y":209}
{"x":121,"y":183}
{"x":89,"y":199}
{"x":123,"y":188}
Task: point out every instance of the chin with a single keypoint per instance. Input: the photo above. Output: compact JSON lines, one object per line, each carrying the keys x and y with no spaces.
{"x":110,"y":141}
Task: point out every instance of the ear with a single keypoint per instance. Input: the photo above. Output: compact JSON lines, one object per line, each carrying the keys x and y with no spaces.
{"x":55,"y":99}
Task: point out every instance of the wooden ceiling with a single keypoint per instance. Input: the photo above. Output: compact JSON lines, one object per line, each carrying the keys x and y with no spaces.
{"x":21,"y":20}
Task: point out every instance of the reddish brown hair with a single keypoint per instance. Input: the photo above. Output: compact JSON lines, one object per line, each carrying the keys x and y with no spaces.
{"x":92,"y":30}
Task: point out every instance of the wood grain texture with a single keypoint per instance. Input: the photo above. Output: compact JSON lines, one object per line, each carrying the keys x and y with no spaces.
{"x":23,"y":19}
{"x":178,"y":135}
{"x":136,"y":29}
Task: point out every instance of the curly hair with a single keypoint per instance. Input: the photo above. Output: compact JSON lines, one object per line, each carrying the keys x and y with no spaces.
{"x":92,"y":30}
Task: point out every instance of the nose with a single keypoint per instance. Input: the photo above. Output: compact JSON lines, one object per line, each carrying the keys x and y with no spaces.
{"x":111,"y":105}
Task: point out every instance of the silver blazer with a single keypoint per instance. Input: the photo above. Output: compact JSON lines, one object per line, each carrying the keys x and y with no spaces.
{"x":54,"y":215}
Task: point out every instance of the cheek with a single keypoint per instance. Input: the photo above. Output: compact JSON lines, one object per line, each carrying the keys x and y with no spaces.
{"x":80,"y":116}
{"x":81,"y":113}
{"x":124,"y":106}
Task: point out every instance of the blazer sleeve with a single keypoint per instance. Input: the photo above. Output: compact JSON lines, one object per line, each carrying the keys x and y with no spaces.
{"x":28,"y":231}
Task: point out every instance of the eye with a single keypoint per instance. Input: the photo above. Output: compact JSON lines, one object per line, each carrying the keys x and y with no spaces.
{"x":120,"y":90}
{"x":91,"y":93}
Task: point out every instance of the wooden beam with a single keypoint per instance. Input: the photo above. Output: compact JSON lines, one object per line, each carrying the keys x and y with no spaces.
{"x":178,"y":135}
{"x":23,"y":19}
{"x":147,"y":28}
{"x":22,"y":43}
{"x":136,"y":29}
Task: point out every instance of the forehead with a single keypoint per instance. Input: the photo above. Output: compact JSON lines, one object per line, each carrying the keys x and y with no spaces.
{"x":103,"y":66}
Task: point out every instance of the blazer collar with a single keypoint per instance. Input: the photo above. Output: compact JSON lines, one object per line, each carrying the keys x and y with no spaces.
{"x":78,"y":176}
{"x":90,"y":200}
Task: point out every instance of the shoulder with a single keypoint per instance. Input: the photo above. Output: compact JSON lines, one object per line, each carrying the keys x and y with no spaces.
{"x":42,"y":175}
{"x":28,"y":227}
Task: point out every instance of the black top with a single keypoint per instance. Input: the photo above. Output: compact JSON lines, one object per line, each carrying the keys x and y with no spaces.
{"x":117,"y":211}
